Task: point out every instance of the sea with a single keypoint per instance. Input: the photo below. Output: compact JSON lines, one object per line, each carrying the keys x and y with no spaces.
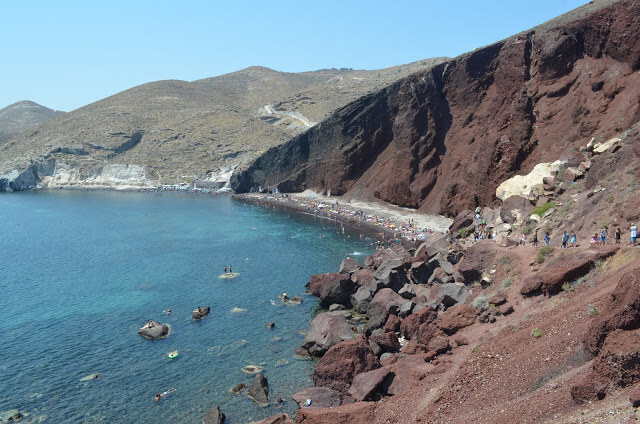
{"x":82,"y":271}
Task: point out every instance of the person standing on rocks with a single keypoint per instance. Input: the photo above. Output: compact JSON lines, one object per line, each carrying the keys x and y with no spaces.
{"x":617,"y":235}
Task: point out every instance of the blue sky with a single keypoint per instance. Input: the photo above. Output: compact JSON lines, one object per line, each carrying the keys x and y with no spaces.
{"x":66,"y":54}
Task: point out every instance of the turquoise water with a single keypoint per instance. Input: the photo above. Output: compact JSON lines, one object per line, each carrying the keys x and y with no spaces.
{"x":81,"y":272}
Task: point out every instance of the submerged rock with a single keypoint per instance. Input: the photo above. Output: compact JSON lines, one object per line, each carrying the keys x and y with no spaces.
{"x":238,"y":388}
{"x":90,"y":377}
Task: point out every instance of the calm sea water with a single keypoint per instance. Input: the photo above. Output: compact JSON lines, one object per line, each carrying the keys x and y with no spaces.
{"x":81,"y":272}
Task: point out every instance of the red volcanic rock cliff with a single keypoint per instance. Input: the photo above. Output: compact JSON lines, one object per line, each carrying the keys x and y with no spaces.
{"x":443,"y":139}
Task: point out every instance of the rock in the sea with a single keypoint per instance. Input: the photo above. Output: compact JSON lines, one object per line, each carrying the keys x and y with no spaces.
{"x":252,"y":369}
{"x":10,"y":416}
{"x":326,"y":330}
{"x":337,"y":368}
{"x":317,"y":397}
{"x":200,"y":313}
{"x":259,"y":390}
{"x":214,"y":416}
{"x":154,"y":330}
{"x":238,"y":388}
{"x":270,"y":325}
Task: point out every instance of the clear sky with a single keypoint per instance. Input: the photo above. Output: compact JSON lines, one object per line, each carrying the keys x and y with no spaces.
{"x":66,"y":54}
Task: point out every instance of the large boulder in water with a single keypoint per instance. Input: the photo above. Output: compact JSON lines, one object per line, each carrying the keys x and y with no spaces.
{"x":200,"y":313}
{"x":259,"y":390}
{"x":214,"y":416}
{"x":154,"y":330}
{"x":326,"y":330}
{"x":332,"y":288}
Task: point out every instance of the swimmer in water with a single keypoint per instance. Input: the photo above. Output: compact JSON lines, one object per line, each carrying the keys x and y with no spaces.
{"x":159,"y":395}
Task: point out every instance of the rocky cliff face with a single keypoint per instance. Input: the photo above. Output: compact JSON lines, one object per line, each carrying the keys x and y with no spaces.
{"x":443,"y":139}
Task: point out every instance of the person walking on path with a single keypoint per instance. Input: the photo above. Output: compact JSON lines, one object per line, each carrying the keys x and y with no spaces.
{"x":617,"y":235}
{"x":565,"y":239}
{"x":603,"y":236}
{"x":535,"y":239}
{"x":634,"y":234}
{"x":547,"y":239}
{"x":572,"y":239}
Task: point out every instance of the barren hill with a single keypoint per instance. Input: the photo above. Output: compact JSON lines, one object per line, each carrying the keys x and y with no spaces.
{"x":443,"y":139}
{"x":167,"y":129}
{"x":21,"y":116}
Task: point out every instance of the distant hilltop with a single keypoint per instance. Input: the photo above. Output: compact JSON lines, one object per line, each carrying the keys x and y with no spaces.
{"x":21,"y":116}
{"x":169,"y":130}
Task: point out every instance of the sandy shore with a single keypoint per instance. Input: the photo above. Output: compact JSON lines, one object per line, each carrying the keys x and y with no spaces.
{"x":386,"y":220}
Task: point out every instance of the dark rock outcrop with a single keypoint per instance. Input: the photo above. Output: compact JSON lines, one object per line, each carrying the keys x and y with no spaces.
{"x":332,"y":288}
{"x":200,"y":313}
{"x":259,"y":390}
{"x":214,"y":416}
{"x":155,"y":331}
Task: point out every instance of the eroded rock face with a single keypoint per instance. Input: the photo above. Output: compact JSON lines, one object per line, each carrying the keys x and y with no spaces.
{"x":411,"y":325}
{"x":276,"y":419}
{"x":337,"y":368}
{"x":504,"y":105}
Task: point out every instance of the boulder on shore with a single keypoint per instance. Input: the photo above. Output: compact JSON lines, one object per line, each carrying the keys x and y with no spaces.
{"x":337,"y":368}
{"x":332,"y":288}
{"x":275,"y":419}
{"x":154,"y":330}
{"x":200,"y":313}
{"x":326,"y":330}
{"x":320,"y":397}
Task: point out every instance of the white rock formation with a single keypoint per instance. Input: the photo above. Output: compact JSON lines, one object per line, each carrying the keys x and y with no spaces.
{"x":525,"y":185}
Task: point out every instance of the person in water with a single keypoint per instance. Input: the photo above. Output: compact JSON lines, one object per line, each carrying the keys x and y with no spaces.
{"x":169,"y":311}
{"x":159,"y":395}
{"x":230,"y":272}
{"x":225,"y":269}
